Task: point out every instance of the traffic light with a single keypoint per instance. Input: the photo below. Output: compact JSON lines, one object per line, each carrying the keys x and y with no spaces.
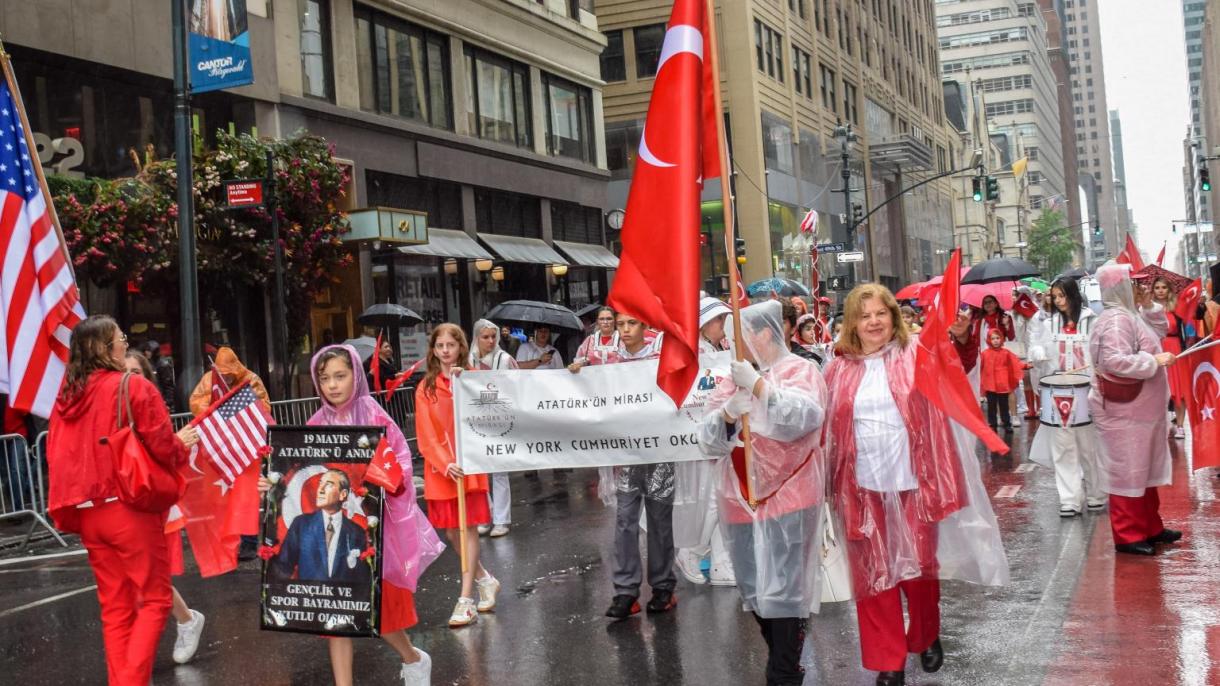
{"x":739,"y":247}
{"x":857,"y":213}
{"x":1205,"y":181}
{"x":993,"y":188}
{"x":977,"y":184}
{"x":1096,"y":228}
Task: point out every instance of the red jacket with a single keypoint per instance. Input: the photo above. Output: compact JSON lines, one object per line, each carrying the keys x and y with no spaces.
{"x":79,"y":466}
{"x":1002,"y":371}
{"x":434,"y":435}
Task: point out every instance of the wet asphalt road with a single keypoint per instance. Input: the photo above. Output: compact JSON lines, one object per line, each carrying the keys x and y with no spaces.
{"x":1048,"y":626}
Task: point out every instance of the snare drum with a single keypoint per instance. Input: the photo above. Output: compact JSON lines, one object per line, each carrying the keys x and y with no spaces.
{"x":1065,"y":400}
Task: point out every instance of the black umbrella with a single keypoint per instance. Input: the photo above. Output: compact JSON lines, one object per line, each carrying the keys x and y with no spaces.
{"x":389,"y":316}
{"x":1000,"y":269}
{"x":1073,"y":273}
{"x":533,"y":313}
{"x":588,"y":310}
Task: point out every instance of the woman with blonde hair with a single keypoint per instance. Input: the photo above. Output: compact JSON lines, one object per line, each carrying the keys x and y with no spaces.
{"x":906,"y":487}
{"x":448,"y":356}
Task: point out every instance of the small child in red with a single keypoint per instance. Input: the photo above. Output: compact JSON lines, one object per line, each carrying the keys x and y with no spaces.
{"x":1001,"y":373}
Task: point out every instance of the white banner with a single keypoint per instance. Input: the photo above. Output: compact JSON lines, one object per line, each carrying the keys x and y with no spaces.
{"x":512,"y":420}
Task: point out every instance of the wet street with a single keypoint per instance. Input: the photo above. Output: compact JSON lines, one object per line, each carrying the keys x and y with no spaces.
{"x":1074,"y":614}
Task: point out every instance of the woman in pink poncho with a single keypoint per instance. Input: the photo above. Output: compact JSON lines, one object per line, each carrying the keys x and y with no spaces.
{"x":1126,"y":350}
{"x":408,"y":542}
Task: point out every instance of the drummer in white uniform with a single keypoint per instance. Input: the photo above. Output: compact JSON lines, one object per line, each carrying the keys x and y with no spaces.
{"x":1066,"y":438}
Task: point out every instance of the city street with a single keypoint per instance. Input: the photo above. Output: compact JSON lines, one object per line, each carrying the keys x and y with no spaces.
{"x":1073,"y":615}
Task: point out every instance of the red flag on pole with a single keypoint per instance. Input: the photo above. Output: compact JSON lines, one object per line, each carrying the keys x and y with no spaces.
{"x":384,"y":470}
{"x":939,"y":375}
{"x":1160,"y":258}
{"x":375,"y":364}
{"x":1188,"y":301}
{"x":1131,"y":255}
{"x":1202,"y":404}
{"x":658,"y":275}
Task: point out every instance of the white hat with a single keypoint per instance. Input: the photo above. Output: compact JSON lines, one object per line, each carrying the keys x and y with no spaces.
{"x":710,"y":308}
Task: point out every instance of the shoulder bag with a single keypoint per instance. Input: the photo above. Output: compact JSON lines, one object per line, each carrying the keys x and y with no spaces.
{"x":144,"y":484}
{"x":1119,"y":389}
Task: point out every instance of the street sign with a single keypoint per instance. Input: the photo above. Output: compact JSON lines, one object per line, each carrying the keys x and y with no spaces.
{"x":839,"y":283}
{"x":855,"y":256}
{"x":243,"y":193}
{"x":832,"y":247}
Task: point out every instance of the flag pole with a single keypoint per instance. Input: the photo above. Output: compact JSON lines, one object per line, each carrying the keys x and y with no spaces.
{"x":729,"y":231}
{"x":32,"y":150}
{"x":461,"y":498}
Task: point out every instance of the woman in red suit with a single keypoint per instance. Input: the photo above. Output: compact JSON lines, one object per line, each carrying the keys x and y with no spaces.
{"x":906,"y":486}
{"x":126,"y":547}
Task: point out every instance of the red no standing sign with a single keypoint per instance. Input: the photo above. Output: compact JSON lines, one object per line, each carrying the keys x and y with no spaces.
{"x":243,"y":193}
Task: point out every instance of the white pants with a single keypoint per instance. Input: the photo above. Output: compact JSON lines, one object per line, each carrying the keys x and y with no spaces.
{"x":1073,"y":452}
{"x":1022,"y":408}
{"x":501,"y":498}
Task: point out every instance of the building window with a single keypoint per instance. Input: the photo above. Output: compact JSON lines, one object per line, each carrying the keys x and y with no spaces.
{"x":498,"y":98}
{"x":569,"y":122}
{"x":614,"y":63}
{"x":849,"y":103}
{"x":648,"y":40}
{"x":1031,"y":153}
{"x":315,"y":48}
{"x":826,"y":81}
{"x":1004,"y":107}
{"x":1035,"y":178}
{"x":801,"y":72}
{"x":404,"y":69}
{"x":768,"y":47}
{"x":622,"y":144}
{"x":1007,"y":83}
{"x":507,"y":214}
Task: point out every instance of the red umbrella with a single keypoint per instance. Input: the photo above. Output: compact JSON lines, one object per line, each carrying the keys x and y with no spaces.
{"x":910,"y":292}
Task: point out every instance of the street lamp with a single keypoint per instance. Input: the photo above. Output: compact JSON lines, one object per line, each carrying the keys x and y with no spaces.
{"x":847,"y":139}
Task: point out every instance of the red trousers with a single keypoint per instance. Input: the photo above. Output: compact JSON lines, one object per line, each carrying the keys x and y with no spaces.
{"x":883,"y":643}
{"x":1135,"y":519}
{"x":130,"y":562}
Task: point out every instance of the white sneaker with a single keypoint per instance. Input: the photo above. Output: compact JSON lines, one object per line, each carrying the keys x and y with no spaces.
{"x":1180,"y":433}
{"x":722,"y":574}
{"x":488,"y":587}
{"x":463,"y":613}
{"x":1016,"y":421}
{"x":499,"y":530}
{"x":188,"y":638}
{"x":688,"y":563}
{"x":417,"y":673}
{"x":483,"y":529}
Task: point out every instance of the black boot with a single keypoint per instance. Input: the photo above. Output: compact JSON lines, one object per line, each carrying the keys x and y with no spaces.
{"x":1141,"y":548}
{"x":932,"y":658}
{"x":1166,"y":536}
{"x":662,"y":601}
{"x":891,"y":678}
{"x":623,"y":606}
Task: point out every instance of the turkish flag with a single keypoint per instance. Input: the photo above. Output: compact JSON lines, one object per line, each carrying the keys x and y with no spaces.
{"x":384,"y":470}
{"x":1131,"y":255}
{"x":1025,"y":306}
{"x":1202,"y":404}
{"x":1160,"y":258}
{"x":1188,"y":301}
{"x":743,"y":298}
{"x":212,"y":515}
{"x":939,"y":375}
{"x":658,"y":275}
{"x":375,"y":364}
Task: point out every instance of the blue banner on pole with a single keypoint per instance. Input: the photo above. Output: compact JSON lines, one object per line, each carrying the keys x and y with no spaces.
{"x":219,"y":45}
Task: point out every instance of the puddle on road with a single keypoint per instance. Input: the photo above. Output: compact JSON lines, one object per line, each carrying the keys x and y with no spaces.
{"x":558,"y":576}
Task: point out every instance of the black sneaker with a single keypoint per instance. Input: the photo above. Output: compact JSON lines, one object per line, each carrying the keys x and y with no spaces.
{"x":662,"y":601}
{"x":623,"y":606}
{"x":248,"y":550}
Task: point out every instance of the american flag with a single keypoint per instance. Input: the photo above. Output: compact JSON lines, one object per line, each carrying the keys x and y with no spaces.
{"x":232,"y":431}
{"x":39,"y":301}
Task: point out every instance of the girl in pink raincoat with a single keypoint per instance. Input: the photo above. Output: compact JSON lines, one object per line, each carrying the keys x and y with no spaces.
{"x":1126,"y":351}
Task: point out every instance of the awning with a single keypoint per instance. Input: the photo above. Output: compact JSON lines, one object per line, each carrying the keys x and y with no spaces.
{"x":449,"y":243}
{"x":518,"y":249}
{"x":588,"y":254}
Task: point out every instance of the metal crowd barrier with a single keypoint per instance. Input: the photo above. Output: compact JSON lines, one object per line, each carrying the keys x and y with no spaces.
{"x":22,"y":487}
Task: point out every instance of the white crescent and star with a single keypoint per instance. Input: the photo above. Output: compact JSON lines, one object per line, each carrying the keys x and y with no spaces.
{"x":1206,"y":368}
{"x":678,"y":39}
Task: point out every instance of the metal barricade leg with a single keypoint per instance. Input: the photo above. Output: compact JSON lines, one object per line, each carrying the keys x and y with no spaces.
{"x":23,"y":486}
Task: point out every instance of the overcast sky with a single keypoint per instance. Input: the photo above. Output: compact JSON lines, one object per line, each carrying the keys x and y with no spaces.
{"x":1145,"y":64}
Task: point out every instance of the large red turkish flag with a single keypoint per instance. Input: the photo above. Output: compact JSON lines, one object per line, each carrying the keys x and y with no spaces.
{"x":1188,"y":301}
{"x":1203,"y":404}
{"x":939,"y":375}
{"x":658,"y":274}
{"x":1131,"y":255}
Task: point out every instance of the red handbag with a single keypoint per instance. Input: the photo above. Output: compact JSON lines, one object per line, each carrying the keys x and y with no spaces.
{"x":1119,"y":389}
{"x":144,"y":484}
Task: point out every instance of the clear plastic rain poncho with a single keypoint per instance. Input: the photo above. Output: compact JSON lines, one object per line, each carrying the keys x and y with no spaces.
{"x":1134,"y":452}
{"x":774,"y":546}
{"x":907,"y":492}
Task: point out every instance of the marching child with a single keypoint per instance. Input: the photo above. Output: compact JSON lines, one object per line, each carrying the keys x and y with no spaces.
{"x":1001,"y":374}
{"x":448,"y":355}
{"x":408,"y":543}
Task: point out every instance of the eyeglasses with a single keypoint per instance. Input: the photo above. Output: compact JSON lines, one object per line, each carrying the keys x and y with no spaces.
{"x":122,"y":339}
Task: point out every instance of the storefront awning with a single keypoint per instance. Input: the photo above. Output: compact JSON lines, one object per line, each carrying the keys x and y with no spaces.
{"x":449,"y":243}
{"x":518,"y":249}
{"x":588,"y":254}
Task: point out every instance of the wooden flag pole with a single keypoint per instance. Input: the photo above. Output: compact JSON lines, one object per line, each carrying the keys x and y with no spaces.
{"x":729,"y":231}
{"x":461,"y":498}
